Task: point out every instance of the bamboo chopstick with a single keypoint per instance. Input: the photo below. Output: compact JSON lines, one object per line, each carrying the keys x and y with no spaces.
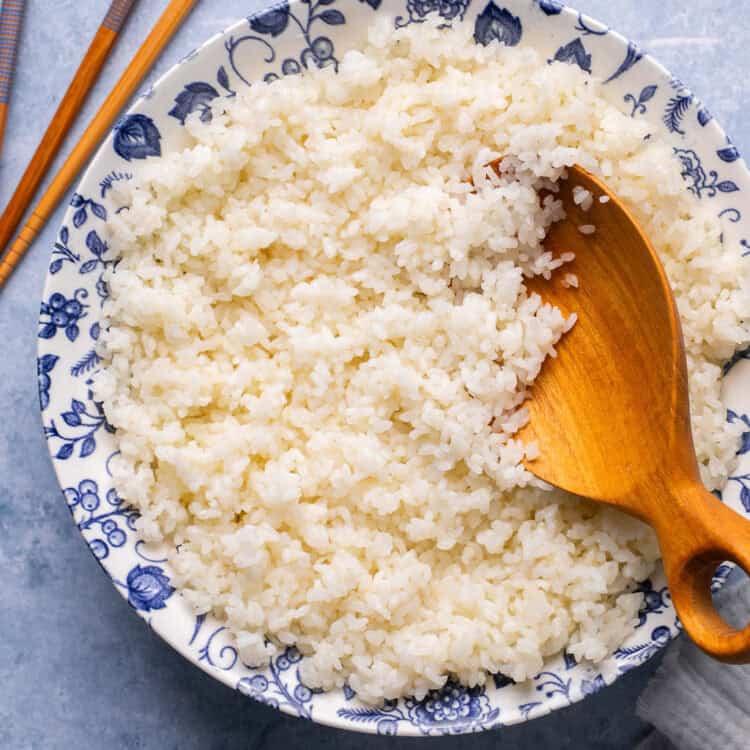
{"x":72,"y":101}
{"x":165,"y":28}
{"x":10,"y":29}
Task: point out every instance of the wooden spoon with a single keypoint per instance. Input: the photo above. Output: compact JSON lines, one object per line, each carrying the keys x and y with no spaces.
{"x":610,"y":413}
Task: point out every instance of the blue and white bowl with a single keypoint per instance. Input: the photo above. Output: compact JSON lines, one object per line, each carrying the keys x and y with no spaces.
{"x":283,"y":41}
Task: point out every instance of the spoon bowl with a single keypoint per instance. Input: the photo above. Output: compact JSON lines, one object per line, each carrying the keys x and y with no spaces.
{"x":610,"y":413}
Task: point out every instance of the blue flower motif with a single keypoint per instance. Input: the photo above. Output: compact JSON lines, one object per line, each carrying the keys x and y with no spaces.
{"x":137,"y":137}
{"x":448,"y":10}
{"x":693,"y":171}
{"x":497,"y":24}
{"x":452,"y":705}
{"x":148,"y":588}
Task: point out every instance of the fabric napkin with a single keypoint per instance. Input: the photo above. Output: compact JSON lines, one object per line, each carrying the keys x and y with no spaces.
{"x":696,"y":703}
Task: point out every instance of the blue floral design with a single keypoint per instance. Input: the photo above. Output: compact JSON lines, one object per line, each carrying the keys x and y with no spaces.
{"x":451,"y":710}
{"x":61,"y":253}
{"x":704,"y":117}
{"x":274,"y":690}
{"x":693,"y":172}
{"x":574,"y":52}
{"x":61,"y":312}
{"x":108,"y":182}
{"x":632,"y":656}
{"x":86,"y":364}
{"x":733,"y":417}
{"x":198,"y":96}
{"x":497,"y":24}
{"x":639,"y":104}
{"x":552,"y":684}
{"x":83,"y":420}
{"x":743,"y":480}
{"x":85,"y":500}
{"x":419,"y":10}
{"x":319,"y":50}
{"x":44,"y":366}
{"x":226,"y":657}
{"x":137,"y":137}
{"x":677,"y":107}
{"x":633,"y":55}
{"x":654,"y":600}
{"x":729,"y":154}
{"x":551,"y":7}
{"x":98,"y":248}
{"x":148,"y":588}
{"x":82,"y":206}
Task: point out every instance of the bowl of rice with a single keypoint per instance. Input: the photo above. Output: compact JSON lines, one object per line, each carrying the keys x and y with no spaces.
{"x":285,"y":345}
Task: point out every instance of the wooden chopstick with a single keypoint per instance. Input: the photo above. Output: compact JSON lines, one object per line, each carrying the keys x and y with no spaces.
{"x":72,"y":101}
{"x":165,"y":28}
{"x":10,"y":29}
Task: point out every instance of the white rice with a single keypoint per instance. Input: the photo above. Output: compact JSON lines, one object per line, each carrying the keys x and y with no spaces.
{"x":320,"y":344}
{"x":582,"y":197}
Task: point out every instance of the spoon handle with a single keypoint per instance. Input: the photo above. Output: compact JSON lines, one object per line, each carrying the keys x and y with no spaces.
{"x":697,"y":533}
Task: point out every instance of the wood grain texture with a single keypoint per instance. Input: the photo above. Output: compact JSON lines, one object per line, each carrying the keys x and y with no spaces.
{"x":117,"y":14}
{"x":611,"y":415}
{"x":11,"y":17}
{"x":164,"y":29}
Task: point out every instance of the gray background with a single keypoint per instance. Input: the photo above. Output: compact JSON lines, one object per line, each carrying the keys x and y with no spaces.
{"x":77,"y":668}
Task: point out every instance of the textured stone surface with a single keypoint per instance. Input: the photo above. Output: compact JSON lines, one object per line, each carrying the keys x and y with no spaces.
{"x":77,"y":668}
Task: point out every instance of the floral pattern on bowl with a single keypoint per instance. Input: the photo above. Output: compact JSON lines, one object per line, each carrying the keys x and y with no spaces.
{"x":284,"y":40}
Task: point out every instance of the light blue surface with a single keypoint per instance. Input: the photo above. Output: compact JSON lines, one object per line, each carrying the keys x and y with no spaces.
{"x":77,"y":668}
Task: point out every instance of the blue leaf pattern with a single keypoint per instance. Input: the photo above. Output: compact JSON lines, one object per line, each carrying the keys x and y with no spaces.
{"x":272,"y":21}
{"x":497,"y":24}
{"x":551,"y":7}
{"x":574,"y":52}
{"x":137,"y":137}
{"x":195,"y":97}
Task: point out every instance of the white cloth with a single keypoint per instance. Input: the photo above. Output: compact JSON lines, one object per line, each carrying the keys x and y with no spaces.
{"x":695,"y":702}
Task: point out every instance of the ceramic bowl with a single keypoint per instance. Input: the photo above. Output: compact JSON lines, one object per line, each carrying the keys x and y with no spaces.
{"x":284,"y":40}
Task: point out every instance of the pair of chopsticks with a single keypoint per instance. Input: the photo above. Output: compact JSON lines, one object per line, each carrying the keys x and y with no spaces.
{"x":83,"y":81}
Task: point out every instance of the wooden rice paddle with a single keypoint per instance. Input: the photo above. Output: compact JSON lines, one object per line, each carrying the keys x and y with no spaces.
{"x":165,"y":27}
{"x":611,"y":414}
